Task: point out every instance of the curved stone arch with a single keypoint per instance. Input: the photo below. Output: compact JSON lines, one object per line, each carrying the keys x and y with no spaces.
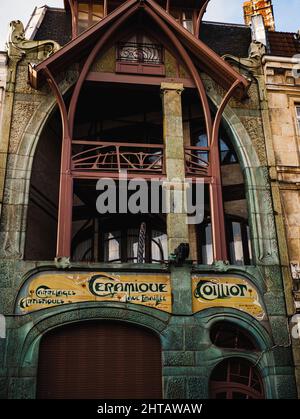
{"x":140,"y":316}
{"x":258,"y":363}
{"x":23,"y":160}
{"x":261,"y":335}
{"x":263,"y":360}
{"x":258,"y":190}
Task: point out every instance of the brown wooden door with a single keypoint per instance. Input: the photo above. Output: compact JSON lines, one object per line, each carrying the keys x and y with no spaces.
{"x":99,"y":360}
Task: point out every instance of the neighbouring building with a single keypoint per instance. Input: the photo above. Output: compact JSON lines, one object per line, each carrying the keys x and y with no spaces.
{"x":145,"y":305}
{"x":281,"y":67}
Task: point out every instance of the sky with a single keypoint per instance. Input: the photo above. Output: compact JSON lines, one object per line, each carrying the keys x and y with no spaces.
{"x":287,"y":13}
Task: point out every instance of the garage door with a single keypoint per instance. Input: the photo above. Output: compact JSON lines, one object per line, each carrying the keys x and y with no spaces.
{"x":93,"y":360}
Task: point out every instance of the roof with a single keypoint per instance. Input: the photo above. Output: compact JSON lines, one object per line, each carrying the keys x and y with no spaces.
{"x":221,"y":38}
{"x":210,"y":62}
{"x":283,"y":44}
{"x":226,"y":38}
{"x":56,"y":26}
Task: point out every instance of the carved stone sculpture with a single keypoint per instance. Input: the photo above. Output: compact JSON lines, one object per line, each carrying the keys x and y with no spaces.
{"x":18,"y":46}
{"x":253,"y":61}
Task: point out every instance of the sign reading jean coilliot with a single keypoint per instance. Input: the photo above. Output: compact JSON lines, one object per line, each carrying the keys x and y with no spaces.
{"x":226,"y":291}
{"x":51,"y":289}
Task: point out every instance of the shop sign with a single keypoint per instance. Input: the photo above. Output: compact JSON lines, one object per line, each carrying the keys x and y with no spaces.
{"x":229,"y":291}
{"x":54,"y":289}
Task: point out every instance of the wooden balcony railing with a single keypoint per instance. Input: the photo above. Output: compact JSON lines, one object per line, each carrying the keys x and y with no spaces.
{"x":95,"y":156}
{"x":197,"y":161}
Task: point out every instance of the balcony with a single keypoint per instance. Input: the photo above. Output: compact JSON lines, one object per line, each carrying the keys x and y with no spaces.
{"x":96,"y":158}
{"x":197,"y":161}
{"x":140,"y":58}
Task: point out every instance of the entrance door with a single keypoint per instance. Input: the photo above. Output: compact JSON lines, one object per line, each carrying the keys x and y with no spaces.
{"x":99,"y":360}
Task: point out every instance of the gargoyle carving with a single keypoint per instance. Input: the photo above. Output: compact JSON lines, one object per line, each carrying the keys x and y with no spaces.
{"x":17,"y":45}
{"x":253,"y":62}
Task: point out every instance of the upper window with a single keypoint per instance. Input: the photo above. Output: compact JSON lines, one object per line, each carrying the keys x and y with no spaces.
{"x":239,"y":243}
{"x":298,"y":116}
{"x":119,"y":240}
{"x":184,"y":17}
{"x":230,"y":336}
{"x":89,"y":13}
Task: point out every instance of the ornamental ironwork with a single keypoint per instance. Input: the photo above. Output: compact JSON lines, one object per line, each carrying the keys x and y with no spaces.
{"x":140,"y":53}
{"x":110,"y":157}
{"x":197,"y":161}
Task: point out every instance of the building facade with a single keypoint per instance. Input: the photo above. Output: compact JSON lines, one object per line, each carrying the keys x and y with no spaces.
{"x":282,"y":87}
{"x":102,"y":96}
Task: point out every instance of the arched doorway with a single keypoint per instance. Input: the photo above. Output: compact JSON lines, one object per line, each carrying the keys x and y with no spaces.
{"x":103,"y":360}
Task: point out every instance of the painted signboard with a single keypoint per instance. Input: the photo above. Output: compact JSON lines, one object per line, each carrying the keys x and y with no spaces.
{"x":229,"y":291}
{"x":51,"y":289}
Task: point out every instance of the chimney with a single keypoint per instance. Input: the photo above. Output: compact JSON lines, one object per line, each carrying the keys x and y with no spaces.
{"x":258,"y":30}
{"x":263,"y":8}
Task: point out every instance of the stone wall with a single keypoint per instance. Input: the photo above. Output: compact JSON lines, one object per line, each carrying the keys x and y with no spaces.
{"x":283,"y":94}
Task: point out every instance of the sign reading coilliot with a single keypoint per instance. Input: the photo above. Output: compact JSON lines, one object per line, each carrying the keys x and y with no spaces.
{"x":55,"y":289}
{"x":226,"y":291}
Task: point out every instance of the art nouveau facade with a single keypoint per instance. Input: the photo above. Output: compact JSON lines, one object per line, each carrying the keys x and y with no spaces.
{"x":140,"y":86}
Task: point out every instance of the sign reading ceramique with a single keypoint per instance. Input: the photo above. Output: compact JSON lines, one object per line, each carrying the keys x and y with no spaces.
{"x":54,"y":289}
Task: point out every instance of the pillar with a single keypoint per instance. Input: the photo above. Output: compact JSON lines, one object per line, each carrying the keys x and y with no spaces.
{"x":177,"y":226}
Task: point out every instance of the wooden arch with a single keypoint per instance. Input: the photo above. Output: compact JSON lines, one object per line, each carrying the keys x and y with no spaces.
{"x":182,"y":41}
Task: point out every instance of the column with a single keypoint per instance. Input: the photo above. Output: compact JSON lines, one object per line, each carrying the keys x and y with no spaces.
{"x":177,"y":227}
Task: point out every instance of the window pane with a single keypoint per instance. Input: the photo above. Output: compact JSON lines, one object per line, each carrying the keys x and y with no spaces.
{"x":83,"y":17}
{"x":200,"y":140}
{"x":112,"y":246}
{"x":187,"y":21}
{"x":132,"y":244}
{"x":236,"y":246}
{"x":83,"y":11}
{"x":159,"y":246}
{"x":97,"y":12}
{"x":228,"y":335}
{"x":207,"y":249}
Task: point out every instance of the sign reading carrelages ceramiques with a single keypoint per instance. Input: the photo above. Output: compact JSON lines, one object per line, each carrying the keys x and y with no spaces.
{"x":54,"y":289}
{"x":226,"y":291}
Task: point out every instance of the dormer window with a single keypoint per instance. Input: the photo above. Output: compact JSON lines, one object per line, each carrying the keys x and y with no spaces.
{"x":184,"y":17}
{"x":89,"y":13}
{"x":187,"y":21}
